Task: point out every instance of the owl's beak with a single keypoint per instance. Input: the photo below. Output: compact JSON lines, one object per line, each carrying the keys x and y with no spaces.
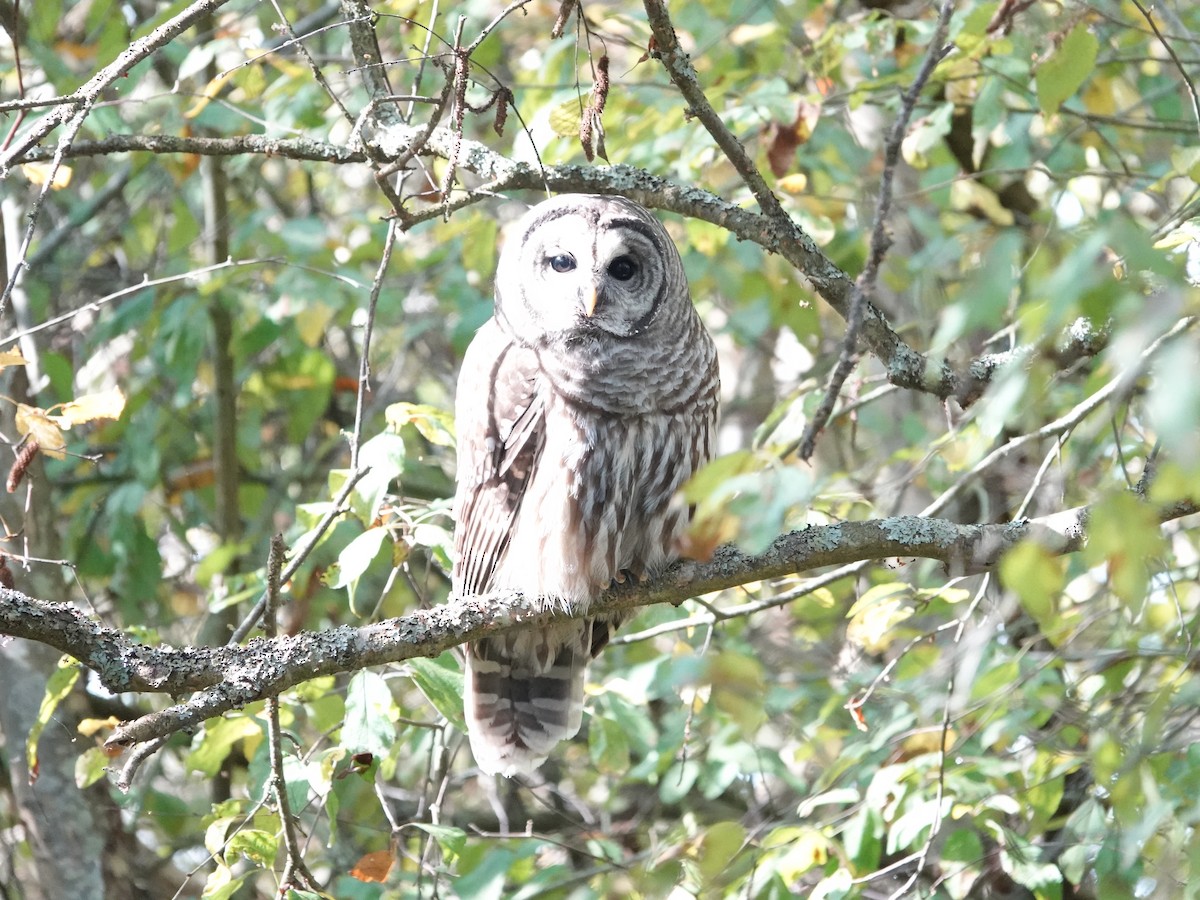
{"x":590,"y":301}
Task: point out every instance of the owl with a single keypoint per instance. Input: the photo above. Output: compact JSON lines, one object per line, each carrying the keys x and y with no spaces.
{"x":583,"y":405}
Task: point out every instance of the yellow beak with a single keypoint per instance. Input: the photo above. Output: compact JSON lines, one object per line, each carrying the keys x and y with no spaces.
{"x":589,"y":303}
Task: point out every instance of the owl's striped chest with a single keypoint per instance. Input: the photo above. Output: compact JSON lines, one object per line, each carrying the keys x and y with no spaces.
{"x":599,"y":502}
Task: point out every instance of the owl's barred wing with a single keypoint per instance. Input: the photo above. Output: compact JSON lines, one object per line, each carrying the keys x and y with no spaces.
{"x":501,"y":433}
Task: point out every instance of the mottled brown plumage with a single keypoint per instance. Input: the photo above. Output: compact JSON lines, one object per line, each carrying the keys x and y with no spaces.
{"x":583,"y":405}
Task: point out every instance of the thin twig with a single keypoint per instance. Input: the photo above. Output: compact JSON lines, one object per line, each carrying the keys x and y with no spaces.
{"x":318,"y":75}
{"x":1065,"y":422}
{"x":20,"y":264}
{"x":1183,"y":72}
{"x":118,"y":68}
{"x":336,"y":509}
{"x":864,"y":285}
{"x":293,"y":866}
{"x":679,"y":67}
{"x":935,"y":826}
{"x":364,"y":362}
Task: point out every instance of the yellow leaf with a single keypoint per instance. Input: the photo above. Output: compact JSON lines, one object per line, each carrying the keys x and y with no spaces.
{"x":312,"y":323}
{"x":795,"y":183}
{"x":752,"y":34}
{"x":927,"y":742}
{"x":873,"y":619}
{"x":39,"y":173}
{"x":104,"y":405}
{"x":564,"y":118}
{"x":11,"y":357}
{"x":212,"y":89}
{"x":41,"y":428}
{"x":91,"y":727}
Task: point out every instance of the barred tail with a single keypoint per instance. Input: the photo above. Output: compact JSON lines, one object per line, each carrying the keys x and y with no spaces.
{"x":524,"y":694}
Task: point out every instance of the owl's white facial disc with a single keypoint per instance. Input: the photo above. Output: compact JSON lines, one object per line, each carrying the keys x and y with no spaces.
{"x":586,"y":268}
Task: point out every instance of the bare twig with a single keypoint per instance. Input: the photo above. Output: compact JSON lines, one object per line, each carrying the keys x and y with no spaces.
{"x":293,"y":867}
{"x":364,"y":362}
{"x":336,"y":509}
{"x":683,"y":74}
{"x":864,"y":285}
{"x":1064,"y":423}
{"x":146,"y":284}
{"x":318,"y":75}
{"x":1183,"y":71}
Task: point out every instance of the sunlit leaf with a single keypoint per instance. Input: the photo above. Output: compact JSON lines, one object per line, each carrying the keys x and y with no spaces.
{"x":57,"y":687}
{"x":39,"y":173}
{"x":257,"y":846}
{"x":441,"y":681}
{"x":1060,"y":76}
{"x":451,"y":840}
{"x":11,"y":357}
{"x":370,"y":724}
{"x":36,"y":424}
{"x":213,"y":745}
{"x":435,"y":425}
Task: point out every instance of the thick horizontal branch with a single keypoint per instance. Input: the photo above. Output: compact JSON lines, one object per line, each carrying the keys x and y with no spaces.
{"x":904,"y":366}
{"x":288,"y":148}
{"x":229,"y":677}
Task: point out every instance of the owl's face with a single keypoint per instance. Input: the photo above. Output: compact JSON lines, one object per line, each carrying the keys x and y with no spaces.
{"x":586,"y":266}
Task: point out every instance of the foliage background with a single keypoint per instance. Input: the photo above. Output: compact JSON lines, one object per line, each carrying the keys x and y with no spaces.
{"x":1025,"y":732}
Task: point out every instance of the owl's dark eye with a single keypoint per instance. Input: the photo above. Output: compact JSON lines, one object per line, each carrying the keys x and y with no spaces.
{"x":563,"y":262}
{"x":622,"y":268}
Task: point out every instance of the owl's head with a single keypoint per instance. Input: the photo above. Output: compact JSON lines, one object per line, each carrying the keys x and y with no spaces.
{"x":581,"y":266}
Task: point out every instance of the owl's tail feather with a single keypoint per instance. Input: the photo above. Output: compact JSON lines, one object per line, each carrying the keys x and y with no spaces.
{"x":524,"y":693}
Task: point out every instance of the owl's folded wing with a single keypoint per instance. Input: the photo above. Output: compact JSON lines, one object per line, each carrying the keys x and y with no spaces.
{"x":500,"y":425}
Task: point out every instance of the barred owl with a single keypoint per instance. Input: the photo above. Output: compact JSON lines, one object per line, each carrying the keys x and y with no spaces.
{"x":583,"y":404}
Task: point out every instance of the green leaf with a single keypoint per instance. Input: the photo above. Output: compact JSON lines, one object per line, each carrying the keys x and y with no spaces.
{"x":450,"y":839}
{"x":435,"y":425}
{"x":369,"y":726}
{"x":384,"y":454}
{"x":564,"y":118}
{"x":90,"y":767}
{"x":608,"y":746}
{"x":57,"y":687}
{"x":220,"y":884}
{"x":1060,"y":76}
{"x":718,"y":846}
{"x":1037,"y":579}
{"x":213,"y":745}
{"x":862,"y":837}
{"x":260,"y":847}
{"x":676,"y":783}
{"x":356,"y":557}
{"x":43,"y":18}
{"x":441,"y":681}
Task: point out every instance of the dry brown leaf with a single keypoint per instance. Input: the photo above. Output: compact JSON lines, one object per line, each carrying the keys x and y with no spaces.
{"x":374,"y":867}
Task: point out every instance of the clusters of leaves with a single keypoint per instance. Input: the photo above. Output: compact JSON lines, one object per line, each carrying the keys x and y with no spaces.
{"x":1027,"y":730}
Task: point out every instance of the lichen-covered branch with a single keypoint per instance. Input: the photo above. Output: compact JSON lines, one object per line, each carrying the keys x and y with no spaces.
{"x":229,"y":677}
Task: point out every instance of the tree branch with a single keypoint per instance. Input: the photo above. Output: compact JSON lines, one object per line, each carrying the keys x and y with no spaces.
{"x":230,"y":677}
{"x":903,"y":366}
{"x":89,"y":92}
